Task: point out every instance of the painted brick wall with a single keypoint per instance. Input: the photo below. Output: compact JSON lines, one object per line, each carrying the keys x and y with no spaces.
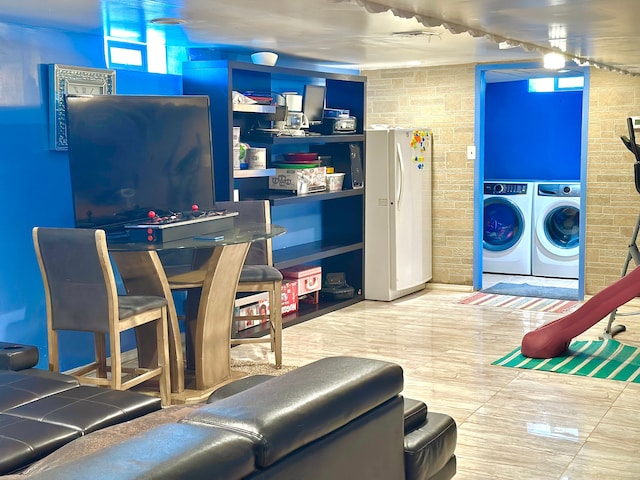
{"x":442,"y":98}
{"x":613,"y":204}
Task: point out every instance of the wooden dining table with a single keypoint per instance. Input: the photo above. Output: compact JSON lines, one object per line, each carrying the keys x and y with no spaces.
{"x":143,"y":273}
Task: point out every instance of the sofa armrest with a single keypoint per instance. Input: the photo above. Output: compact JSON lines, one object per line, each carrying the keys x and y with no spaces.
{"x":288,"y":412}
{"x":14,"y":356}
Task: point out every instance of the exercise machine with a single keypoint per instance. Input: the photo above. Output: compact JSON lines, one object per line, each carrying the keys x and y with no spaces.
{"x":633,"y":253}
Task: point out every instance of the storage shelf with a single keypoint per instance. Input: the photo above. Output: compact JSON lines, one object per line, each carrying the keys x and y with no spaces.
{"x":275,"y":71}
{"x":253,"y":108}
{"x":263,"y":140}
{"x":310,"y":252}
{"x":336,"y":217}
{"x":306,"y":311}
{"x":290,"y":199}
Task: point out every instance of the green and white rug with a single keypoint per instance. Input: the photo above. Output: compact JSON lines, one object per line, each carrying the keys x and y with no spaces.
{"x":588,"y":358}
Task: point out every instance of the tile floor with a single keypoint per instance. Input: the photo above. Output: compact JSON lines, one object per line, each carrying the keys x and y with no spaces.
{"x":512,"y":424}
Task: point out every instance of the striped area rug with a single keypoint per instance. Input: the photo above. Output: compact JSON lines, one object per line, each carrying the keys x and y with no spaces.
{"x":520,"y":303}
{"x":606,"y":358}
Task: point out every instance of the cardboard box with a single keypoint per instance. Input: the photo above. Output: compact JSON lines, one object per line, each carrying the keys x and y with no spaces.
{"x":243,"y":300}
{"x":301,"y":181}
{"x":289,"y":297}
{"x":258,"y":308}
{"x":251,"y":305}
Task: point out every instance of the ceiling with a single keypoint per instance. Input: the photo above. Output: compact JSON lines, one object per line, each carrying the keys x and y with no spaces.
{"x":366,"y":34}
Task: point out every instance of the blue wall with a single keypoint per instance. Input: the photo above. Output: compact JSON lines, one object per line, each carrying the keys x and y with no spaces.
{"x":531,"y":136}
{"x":35,"y":180}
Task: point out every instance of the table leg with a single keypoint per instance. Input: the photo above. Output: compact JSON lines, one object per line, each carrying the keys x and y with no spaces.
{"x":212,"y":358}
{"x":143,"y":274}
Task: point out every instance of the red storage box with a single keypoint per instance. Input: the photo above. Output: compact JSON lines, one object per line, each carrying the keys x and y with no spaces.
{"x":309,"y":278}
{"x":309,"y":281}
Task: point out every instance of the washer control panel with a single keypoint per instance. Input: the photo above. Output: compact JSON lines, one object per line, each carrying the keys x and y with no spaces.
{"x":505,"y":188}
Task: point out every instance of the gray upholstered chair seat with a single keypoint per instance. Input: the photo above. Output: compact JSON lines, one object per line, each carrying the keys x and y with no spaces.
{"x":260,"y":273}
{"x":129,"y":305}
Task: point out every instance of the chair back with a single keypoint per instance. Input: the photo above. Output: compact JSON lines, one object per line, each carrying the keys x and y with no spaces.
{"x":253,"y":212}
{"x":78,"y":278}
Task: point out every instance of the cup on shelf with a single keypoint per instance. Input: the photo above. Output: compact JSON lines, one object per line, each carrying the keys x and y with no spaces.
{"x":334,"y":181}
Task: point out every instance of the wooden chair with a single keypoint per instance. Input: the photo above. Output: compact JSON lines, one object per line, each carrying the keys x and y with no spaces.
{"x":81,"y":295}
{"x":258,"y":274}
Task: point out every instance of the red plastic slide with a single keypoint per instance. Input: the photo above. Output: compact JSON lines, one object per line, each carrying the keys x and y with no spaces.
{"x":552,"y":339}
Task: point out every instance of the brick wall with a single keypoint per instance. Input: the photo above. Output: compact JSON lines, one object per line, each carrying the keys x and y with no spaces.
{"x":442,"y":98}
{"x":613,"y":205}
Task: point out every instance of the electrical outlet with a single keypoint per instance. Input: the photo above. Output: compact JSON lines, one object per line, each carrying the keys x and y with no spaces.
{"x":471,"y":152}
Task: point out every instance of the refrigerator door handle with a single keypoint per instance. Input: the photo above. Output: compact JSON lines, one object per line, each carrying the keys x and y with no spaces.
{"x":401,"y":163}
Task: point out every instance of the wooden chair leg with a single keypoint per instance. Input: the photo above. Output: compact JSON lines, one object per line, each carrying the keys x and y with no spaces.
{"x":54,"y":359}
{"x":100,"y":345}
{"x":116,"y":361}
{"x":162,"y":336}
{"x":276,"y":323}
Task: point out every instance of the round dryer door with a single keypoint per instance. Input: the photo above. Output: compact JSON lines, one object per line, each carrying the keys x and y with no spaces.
{"x":503,"y":224}
{"x":558,"y":230}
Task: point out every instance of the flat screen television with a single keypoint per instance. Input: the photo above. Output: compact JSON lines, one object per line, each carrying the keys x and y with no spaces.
{"x":131,"y":154}
{"x":313,"y":103}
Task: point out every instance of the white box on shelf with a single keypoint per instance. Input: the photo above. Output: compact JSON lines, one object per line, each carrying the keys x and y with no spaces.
{"x":301,"y":181}
{"x":241,"y":301}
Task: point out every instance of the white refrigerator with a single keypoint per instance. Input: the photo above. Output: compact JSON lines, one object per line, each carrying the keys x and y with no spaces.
{"x":397,"y":248}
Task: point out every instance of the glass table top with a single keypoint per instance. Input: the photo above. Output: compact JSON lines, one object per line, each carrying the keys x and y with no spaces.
{"x":238,"y":234}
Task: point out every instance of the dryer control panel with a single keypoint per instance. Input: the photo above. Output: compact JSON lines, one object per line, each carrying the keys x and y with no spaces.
{"x":558,"y":189}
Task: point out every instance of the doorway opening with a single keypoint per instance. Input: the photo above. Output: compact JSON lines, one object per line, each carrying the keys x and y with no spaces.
{"x":530,"y":177}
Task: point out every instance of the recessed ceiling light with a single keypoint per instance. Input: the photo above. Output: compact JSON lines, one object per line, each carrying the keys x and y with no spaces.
{"x":554,"y":61}
{"x":167,"y":21}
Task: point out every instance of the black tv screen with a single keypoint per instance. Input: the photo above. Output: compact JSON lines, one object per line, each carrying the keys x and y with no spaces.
{"x":131,"y":154}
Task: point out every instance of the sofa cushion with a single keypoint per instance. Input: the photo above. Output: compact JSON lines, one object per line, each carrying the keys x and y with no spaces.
{"x":60,"y":377}
{"x":315,"y":400}
{"x":18,"y":388}
{"x":165,"y":452}
{"x":87,"y":409}
{"x":23,"y":441}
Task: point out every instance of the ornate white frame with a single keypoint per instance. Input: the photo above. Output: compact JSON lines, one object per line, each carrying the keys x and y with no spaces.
{"x":59,"y":78}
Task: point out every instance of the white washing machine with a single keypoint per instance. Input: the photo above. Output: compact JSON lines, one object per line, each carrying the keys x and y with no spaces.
{"x":556,"y":238}
{"x":507,"y":227}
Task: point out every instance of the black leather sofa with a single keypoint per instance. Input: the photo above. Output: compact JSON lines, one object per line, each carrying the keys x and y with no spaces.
{"x":40,"y":411}
{"x":337,"y":418}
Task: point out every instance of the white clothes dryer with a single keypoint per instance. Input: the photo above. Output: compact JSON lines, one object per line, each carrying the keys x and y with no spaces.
{"x":507,"y":227}
{"x":556,"y":239}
